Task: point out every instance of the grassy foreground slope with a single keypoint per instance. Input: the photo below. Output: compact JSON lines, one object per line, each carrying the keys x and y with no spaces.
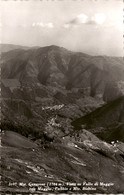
{"x":68,"y":161}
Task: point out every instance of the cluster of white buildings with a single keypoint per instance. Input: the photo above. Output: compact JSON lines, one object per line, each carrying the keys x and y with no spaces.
{"x":56,"y":107}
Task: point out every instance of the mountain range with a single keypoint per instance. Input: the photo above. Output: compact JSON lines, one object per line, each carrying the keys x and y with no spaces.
{"x":56,"y":66}
{"x":66,"y":106}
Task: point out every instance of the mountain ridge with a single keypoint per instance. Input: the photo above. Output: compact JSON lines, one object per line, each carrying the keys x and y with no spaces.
{"x":106,"y":121}
{"x":53,"y":65}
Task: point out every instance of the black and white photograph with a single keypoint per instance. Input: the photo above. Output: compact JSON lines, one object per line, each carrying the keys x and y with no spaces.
{"x":62,"y":97}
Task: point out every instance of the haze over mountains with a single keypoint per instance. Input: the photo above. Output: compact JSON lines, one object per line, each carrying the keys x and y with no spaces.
{"x":70,"y":107}
{"x":9,"y":47}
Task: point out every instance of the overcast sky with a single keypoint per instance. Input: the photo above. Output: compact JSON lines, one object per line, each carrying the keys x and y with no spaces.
{"x":89,"y":26}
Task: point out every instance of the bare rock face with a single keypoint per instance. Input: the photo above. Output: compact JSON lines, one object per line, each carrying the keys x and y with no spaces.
{"x":113,"y":91}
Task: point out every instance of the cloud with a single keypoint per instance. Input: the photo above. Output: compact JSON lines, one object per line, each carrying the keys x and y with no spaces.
{"x":80,"y":19}
{"x":49,"y":25}
{"x":43,"y":25}
{"x":97,"y":19}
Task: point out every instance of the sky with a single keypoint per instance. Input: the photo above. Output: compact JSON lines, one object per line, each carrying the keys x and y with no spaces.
{"x":90,"y":26}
